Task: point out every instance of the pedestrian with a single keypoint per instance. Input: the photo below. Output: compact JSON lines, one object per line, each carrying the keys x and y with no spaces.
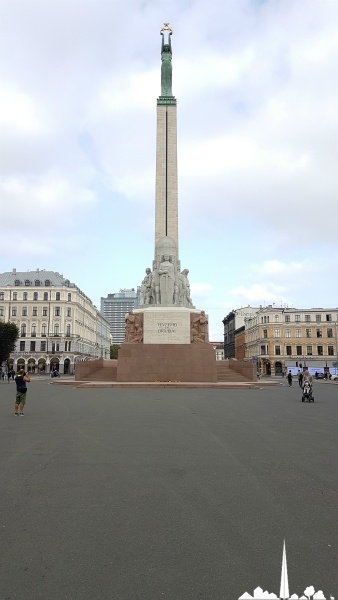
{"x":21,"y":391}
{"x":290,"y":378}
{"x":300,"y":379}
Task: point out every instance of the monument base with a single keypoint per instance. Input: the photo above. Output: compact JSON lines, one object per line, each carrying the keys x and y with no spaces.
{"x":167,"y":362}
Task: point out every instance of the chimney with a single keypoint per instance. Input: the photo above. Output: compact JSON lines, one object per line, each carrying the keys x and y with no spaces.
{"x":14,"y":271}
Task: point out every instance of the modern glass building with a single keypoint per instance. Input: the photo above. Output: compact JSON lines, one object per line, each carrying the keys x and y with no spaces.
{"x":114,"y":308}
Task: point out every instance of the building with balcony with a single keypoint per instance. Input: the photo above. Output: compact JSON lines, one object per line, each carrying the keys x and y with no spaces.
{"x":281,"y":339}
{"x":114,"y":308}
{"x":58,"y":323}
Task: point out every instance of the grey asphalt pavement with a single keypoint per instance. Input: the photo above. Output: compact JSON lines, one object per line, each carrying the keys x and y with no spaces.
{"x":167,"y":494}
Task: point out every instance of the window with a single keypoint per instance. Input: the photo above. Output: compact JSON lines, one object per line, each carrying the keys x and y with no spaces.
{"x":277,"y":350}
{"x":287,"y":318}
{"x":298,"y":332}
{"x":47,"y":283}
{"x":13,"y":312}
{"x":16,"y":282}
{"x":57,"y":296}
{"x":330,"y":350}
{"x":44,"y":311}
{"x":264,"y":350}
{"x":27,"y":282}
{"x":32,"y":347}
{"x":42,"y":346}
{"x":34,"y":311}
{"x":57,"y":347}
{"x":318,"y":332}
{"x":43,"y":330}
{"x":68,"y":346}
{"x":276,"y":318}
{"x":45,"y":295}
{"x":69,"y":297}
{"x":23,"y":330}
{"x":35,"y":296}
{"x":22,"y":346}
{"x":299,"y":351}
{"x":307,"y":318}
{"x":33,"y":331}
{"x":69,"y":312}
{"x":288,"y":333}
{"x":318,"y":318}
{"x":15,"y":295}
{"x":329,"y":332}
{"x":56,"y":329}
{"x":277,"y":332}
{"x":320,"y":350}
{"x":57,"y":312}
{"x":2,"y":295}
{"x":68,"y":331}
{"x":24,"y":311}
{"x":329,"y":317}
{"x":297,"y":318}
{"x":36,"y":283}
{"x":289,"y":350}
{"x":1,"y":311}
{"x":266,"y":319}
{"x":25,"y":296}
{"x":308,"y":332}
{"x":309,"y":350}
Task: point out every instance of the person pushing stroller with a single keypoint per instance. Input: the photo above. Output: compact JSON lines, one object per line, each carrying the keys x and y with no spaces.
{"x":307,"y":387}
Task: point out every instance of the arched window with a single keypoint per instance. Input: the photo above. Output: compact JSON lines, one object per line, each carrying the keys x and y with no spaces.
{"x":57,"y":295}
{"x":43,"y":330}
{"x":47,"y":283}
{"x":56,"y":329}
{"x":45,"y":295}
{"x":17,"y":282}
{"x":27,"y":282}
{"x":37,"y":282}
{"x":23,"y":330}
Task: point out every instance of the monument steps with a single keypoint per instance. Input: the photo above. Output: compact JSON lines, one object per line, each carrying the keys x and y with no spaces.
{"x":224,"y":373}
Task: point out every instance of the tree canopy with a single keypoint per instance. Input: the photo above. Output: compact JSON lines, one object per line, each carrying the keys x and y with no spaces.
{"x":114,"y":348}
{"x":9,"y":333}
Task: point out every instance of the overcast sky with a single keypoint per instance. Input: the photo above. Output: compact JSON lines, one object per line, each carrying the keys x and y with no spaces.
{"x":257,"y":93}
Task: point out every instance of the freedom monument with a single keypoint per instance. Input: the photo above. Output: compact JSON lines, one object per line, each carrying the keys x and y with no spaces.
{"x":166,"y":336}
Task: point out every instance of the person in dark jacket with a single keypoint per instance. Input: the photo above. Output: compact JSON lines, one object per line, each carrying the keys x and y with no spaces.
{"x":21,"y":391}
{"x":290,"y":378}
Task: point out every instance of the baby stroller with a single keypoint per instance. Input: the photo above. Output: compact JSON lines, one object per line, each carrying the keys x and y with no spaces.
{"x":307,"y":395}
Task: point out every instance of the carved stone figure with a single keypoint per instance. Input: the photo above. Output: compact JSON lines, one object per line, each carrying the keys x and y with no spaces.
{"x":145,"y":290}
{"x":130,"y":327}
{"x":155,"y":285}
{"x":167,"y":281}
{"x":166,"y":68}
{"x":185,"y":299}
{"x":134,"y":331}
{"x":199,"y":328}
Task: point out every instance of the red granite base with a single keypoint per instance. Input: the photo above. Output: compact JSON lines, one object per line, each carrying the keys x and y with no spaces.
{"x":166,"y":362}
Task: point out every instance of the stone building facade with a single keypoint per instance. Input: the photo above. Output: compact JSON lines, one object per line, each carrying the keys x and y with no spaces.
{"x":281,"y":339}
{"x":58,"y":323}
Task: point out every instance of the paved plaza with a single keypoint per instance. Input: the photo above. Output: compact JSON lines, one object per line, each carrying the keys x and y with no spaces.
{"x":167,"y":494}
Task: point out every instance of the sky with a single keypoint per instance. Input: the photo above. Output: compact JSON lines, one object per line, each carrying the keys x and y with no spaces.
{"x":257,"y":91}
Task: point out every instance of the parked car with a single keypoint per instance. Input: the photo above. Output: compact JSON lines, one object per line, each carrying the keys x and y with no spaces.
{"x":334,"y":377}
{"x":320,"y":376}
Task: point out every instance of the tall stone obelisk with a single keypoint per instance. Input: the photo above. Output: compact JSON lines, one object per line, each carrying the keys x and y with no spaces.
{"x":166,"y":337}
{"x":166,"y":196}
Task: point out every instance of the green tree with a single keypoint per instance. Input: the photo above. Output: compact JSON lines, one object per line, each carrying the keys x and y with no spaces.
{"x":9,"y":333}
{"x":114,"y":350}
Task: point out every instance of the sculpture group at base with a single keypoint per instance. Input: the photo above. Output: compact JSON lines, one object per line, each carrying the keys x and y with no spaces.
{"x":166,"y":285}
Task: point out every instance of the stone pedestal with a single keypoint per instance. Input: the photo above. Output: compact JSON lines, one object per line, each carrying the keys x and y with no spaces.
{"x":167,"y":362}
{"x":162,"y":345}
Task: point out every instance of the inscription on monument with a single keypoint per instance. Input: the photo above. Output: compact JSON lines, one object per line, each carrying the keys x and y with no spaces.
{"x":159,"y":329}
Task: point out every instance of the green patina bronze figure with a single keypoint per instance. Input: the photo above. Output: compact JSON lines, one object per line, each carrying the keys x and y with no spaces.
{"x":166,"y":69}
